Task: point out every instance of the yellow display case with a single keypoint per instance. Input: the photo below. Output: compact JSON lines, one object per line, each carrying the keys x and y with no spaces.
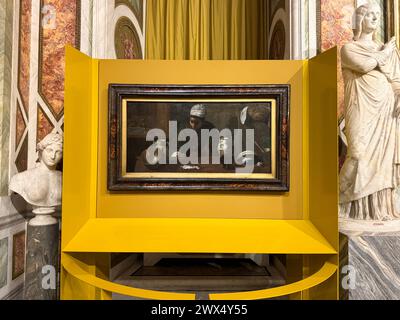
{"x":302,"y":222}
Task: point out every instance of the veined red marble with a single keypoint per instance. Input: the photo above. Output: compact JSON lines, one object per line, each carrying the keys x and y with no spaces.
{"x":18,"y":257}
{"x":44,"y":125}
{"x":24,"y":51}
{"x":20,"y":126}
{"x":22,"y":159}
{"x":59,"y":28}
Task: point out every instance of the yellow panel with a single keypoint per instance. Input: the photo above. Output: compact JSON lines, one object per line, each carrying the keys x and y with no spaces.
{"x":306,"y":144}
{"x":95,"y":264}
{"x":73,"y":288}
{"x":326,"y":272}
{"x":79,"y":159}
{"x":72,"y":267}
{"x":199,"y":236}
{"x":80,"y":142}
{"x":205,"y":204}
{"x":323,"y":162}
{"x":329,"y":289}
{"x":323,"y":145}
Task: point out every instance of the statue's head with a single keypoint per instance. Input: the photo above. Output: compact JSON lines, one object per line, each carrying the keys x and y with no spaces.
{"x":50,"y":149}
{"x":197,"y":116}
{"x":367,"y":18}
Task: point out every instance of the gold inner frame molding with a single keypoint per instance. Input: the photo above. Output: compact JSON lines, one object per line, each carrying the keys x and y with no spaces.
{"x":202,"y":175}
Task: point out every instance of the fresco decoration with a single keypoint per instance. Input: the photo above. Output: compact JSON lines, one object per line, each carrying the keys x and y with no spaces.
{"x":44,"y":125}
{"x":18,"y":255}
{"x":136,"y":6}
{"x":20,"y":126}
{"x":24,"y":51}
{"x":126,"y":40}
{"x":60,"y":25}
{"x":22,"y":159}
{"x":3,"y":262}
{"x":277,"y":47}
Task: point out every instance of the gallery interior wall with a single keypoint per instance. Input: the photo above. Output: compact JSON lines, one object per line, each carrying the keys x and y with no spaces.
{"x":32,"y":36}
{"x":12,"y":224}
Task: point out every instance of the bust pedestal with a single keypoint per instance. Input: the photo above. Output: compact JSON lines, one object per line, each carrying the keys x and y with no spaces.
{"x":41,"y":188}
{"x":370,"y":262}
{"x":42,"y":256}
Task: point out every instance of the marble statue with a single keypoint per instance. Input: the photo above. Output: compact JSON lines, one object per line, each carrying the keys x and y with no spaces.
{"x":371,"y":172}
{"x":41,"y":186}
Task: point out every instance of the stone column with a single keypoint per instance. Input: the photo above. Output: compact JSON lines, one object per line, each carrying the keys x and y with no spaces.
{"x":42,"y":256}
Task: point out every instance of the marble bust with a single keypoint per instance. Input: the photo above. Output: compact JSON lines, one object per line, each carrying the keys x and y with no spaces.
{"x":41,"y":186}
{"x":371,"y":172}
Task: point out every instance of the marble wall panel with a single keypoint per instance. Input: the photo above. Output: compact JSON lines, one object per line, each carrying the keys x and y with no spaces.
{"x":44,"y":125}
{"x":20,"y":126}
{"x":18,"y":255}
{"x":86,"y":22}
{"x":13,"y":224}
{"x":22,"y":159}
{"x":24,"y":51}
{"x":336,"y":30}
{"x":2,"y":42}
{"x":3,"y":262}
{"x":381,"y":34}
{"x":6,"y":38}
{"x":373,"y":266}
{"x":60,"y":26}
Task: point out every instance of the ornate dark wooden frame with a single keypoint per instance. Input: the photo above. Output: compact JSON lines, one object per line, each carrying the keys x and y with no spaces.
{"x":119,"y":92}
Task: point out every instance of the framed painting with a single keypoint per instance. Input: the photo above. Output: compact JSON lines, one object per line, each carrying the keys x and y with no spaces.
{"x":184,"y":137}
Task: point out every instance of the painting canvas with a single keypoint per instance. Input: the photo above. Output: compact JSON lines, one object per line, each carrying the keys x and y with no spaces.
{"x":204,"y":138}
{"x":3,"y":261}
{"x":18,"y":257}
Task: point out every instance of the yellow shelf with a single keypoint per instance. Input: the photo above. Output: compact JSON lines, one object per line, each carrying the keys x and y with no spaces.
{"x":71,"y":266}
{"x":200,"y":236}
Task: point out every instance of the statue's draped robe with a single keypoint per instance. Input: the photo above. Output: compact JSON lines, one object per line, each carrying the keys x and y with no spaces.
{"x":370,"y":173}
